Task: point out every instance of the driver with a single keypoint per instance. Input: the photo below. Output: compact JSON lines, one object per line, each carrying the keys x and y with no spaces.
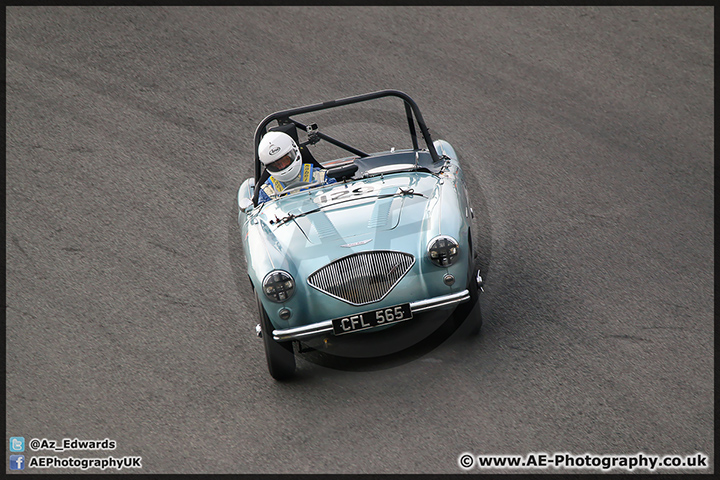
{"x":282,"y":159}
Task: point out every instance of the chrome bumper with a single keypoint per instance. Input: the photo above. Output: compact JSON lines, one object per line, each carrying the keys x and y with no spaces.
{"x":305,"y":331}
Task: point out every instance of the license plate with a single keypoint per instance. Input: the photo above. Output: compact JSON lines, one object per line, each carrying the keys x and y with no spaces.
{"x":373,"y":318}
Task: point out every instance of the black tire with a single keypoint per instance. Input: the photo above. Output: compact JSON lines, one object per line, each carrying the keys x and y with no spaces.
{"x":463,"y":311}
{"x":280,"y":355}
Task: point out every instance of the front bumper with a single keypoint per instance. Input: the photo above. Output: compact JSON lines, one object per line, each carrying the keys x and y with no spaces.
{"x":320,"y":328}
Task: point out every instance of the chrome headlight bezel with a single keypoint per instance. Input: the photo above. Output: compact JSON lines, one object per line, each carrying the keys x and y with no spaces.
{"x":443,"y":250}
{"x":278,"y":286}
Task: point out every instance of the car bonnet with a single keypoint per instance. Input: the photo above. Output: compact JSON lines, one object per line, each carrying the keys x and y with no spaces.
{"x":340,"y":212}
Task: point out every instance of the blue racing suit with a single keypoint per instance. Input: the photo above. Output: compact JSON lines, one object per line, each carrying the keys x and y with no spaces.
{"x":309,"y":174}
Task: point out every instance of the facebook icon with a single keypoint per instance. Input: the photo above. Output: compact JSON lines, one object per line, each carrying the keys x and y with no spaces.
{"x":17,"y":462}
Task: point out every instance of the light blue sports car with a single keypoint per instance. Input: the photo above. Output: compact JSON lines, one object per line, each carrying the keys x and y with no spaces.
{"x":390,"y":239}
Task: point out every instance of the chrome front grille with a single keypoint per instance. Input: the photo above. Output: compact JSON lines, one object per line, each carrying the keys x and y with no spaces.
{"x":364,"y":277}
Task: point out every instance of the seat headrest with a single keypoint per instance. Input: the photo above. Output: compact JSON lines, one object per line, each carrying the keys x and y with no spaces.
{"x":288,"y":128}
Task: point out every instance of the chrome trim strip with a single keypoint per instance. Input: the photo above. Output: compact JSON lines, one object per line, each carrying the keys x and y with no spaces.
{"x":305,"y":331}
{"x":298,"y":333}
{"x":437,"y":302}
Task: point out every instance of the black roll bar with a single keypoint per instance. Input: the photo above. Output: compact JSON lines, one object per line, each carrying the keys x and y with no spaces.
{"x":284,"y":116}
{"x":332,"y":140}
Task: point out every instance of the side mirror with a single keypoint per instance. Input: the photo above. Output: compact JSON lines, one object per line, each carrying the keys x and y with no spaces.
{"x":245,"y":205}
{"x":244,"y":196}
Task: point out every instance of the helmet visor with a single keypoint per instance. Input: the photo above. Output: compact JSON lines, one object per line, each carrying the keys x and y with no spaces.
{"x":282,"y":163}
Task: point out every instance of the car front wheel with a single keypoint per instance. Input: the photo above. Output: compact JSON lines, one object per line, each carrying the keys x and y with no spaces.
{"x":464,"y":312}
{"x":280,"y":355}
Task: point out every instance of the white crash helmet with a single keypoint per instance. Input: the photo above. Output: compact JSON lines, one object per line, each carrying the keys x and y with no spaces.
{"x":280,"y":155}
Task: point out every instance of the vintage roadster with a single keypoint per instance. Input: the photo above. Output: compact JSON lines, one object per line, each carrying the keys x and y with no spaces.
{"x":391,"y":238}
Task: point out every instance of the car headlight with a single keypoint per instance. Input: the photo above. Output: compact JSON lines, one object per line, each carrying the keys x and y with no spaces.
{"x":278,"y":286}
{"x":443,"y":250}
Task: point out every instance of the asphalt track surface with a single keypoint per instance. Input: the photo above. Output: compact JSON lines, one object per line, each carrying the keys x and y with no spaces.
{"x":588,"y":133}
